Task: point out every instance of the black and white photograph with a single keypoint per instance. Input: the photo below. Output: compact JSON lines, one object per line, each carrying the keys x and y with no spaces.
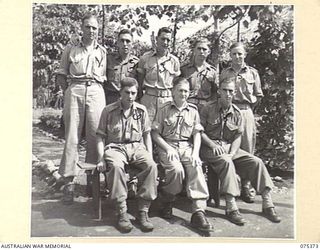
{"x":166,"y":121}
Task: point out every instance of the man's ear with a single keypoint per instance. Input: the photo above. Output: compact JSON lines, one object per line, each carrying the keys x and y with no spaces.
{"x":218,"y":91}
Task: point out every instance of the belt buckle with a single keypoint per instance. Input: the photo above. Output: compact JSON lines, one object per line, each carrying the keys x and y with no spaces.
{"x":89,"y":83}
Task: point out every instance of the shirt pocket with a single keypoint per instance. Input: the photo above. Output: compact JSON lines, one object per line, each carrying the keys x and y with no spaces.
{"x":99,"y":64}
{"x":169,"y":125}
{"x":78,"y":62}
{"x":187,"y":128}
{"x":248,"y":83}
{"x":114,"y":132}
{"x":136,"y":133}
{"x":230,"y":131}
{"x":214,"y":127}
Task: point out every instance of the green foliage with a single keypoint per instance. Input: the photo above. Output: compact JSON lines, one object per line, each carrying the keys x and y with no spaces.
{"x":271,"y":53}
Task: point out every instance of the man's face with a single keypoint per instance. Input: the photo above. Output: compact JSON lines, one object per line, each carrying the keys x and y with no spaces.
{"x":181,"y":92}
{"x":238,"y":54}
{"x":124,"y":43}
{"x":163,"y":41}
{"x":128,"y":95}
{"x":90,"y":29}
{"x":226,"y":92}
{"x":201,"y":51}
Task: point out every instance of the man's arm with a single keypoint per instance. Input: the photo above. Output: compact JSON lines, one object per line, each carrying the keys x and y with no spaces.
{"x":141,"y":73}
{"x":148,"y":142}
{"x":196,"y":148}
{"x":171,"y":152}
{"x":235,"y":145}
{"x":101,"y":165}
{"x":216,"y":148}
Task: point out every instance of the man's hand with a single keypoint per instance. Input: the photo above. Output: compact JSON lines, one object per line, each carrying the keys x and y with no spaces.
{"x":196,"y":161}
{"x":102,"y":166}
{"x":217,"y":149}
{"x":172,"y":154}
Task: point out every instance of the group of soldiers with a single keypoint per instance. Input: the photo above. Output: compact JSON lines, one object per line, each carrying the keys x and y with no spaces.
{"x":133,"y":110}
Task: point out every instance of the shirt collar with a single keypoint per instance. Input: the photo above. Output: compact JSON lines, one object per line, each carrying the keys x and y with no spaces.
{"x":230,"y":110}
{"x":185,"y":106}
{"x":118,"y":57}
{"x":119,"y":106}
{"x":95,"y":44}
{"x":243,"y":69}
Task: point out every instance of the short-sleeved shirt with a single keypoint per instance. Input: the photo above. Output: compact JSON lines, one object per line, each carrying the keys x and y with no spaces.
{"x":177,"y":125}
{"x":117,"y":69}
{"x":247,"y":81}
{"x":78,"y":63}
{"x":159,"y":72}
{"x":203,"y":81}
{"x":116,"y":128}
{"x":221,"y":126}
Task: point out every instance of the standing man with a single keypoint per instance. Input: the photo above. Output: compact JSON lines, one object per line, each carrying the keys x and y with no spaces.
{"x":81,"y":75}
{"x":202,"y":76}
{"x":124,"y":138}
{"x":156,"y":70}
{"x":120,"y":64}
{"x":248,"y":92}
{"x":176,"y":130}
{"x":223,"y":127}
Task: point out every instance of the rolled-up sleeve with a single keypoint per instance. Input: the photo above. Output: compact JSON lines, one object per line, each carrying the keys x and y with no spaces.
{"x":102,"y":128}
{"x":157,"y":123}
{"x":257,"y":90}
{"x":197,"y":125}
{"x":146,"y":123}
{"x":65,"y":61}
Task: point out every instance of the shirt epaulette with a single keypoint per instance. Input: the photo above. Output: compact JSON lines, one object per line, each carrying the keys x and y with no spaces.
{"x":102,"y":48}
{"x":191,"y":105}
{"x":163,"y":105}
{"x":133,"y":59}
{"x":236,"y":108}
{"x":211,"y":67}
{"x":252,"y":68}
{"x":112,"y":106}
{"x":141,"y":107}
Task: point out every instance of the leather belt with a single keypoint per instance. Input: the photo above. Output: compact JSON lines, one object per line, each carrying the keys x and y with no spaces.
{"x":197,"y":101}
{"x":84,"y":82}
{"x":158,"y":92}
{"x":243,"y":106}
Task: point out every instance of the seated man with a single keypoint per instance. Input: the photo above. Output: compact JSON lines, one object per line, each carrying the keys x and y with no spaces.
{"x":125,"y":127}
{"x":223,"y":126}
{"x":176,"y":131}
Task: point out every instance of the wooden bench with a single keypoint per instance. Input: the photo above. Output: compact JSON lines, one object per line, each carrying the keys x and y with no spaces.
{"x":93,"y":185}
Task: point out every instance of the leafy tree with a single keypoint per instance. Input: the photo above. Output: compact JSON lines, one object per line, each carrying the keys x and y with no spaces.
{"x":271,"y":52}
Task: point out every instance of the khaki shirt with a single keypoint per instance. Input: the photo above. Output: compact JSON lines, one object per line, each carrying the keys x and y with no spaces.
{"x":248,"y":85}
{"x":118,"y":69}
{"x":175,"y":125}
{"x":116,"y":128}
{"x":203,"y":82}
{"x":219,"y":126}
{"x":77,"y":63}
{"x":159,"y":72}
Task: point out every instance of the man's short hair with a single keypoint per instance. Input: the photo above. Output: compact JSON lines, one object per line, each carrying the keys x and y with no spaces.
{"x":88,"y":15}
{"x":164,"y":30}
{"x":128,"y":82}
{"x":238,"y":44}
{"x":125,"y":31}
{"x":227,"y":81}
{"x":178,"y":80}
{"x":201,"y":40}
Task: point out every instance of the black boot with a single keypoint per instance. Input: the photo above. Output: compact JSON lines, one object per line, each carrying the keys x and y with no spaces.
{"x":200,"y":222}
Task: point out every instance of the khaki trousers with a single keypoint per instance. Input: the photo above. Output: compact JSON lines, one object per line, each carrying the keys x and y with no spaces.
{"x":82,"y":109}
